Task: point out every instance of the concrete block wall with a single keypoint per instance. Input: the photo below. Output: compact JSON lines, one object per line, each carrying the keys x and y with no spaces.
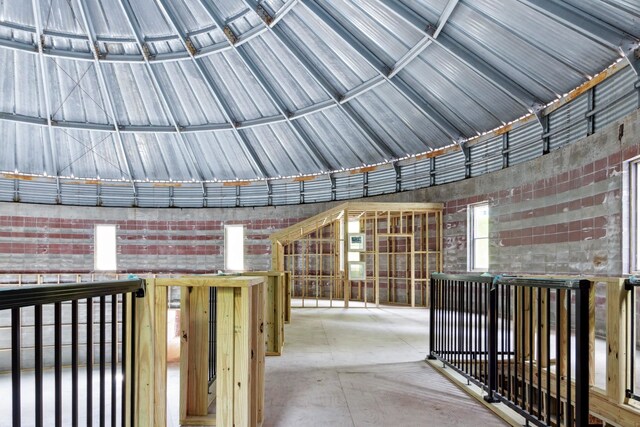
{"x":558,"y":214}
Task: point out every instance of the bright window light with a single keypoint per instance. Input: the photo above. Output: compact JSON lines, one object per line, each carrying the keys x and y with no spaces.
{"x":354,"y":226}
{"x":105,"y":248}
{"x":234,"y":247}
{"x":478,"y":237}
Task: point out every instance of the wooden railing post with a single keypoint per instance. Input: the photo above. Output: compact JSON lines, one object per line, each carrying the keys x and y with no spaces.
{"x":150,"y":357}
{"x":617,"y":357}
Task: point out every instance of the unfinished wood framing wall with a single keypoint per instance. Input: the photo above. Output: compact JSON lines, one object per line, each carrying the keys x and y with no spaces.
{"x":402,"y":245}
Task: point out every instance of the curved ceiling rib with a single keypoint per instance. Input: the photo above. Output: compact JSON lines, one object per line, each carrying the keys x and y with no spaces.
{"x":286,"y":87}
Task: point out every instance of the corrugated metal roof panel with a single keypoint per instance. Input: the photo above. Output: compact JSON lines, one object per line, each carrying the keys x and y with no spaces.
{"x":73,"y":193}
{"x":88,"y":154}
{"x":37,"y":191}
{"x":255,"y":194}
{"x":220,"y":196}
{"x":7,"y":190}
{"x":415,"y":175}
{"x":486,"y":157}
{"x":190,"y":99}
{"x":401,"y":126}
{"x":187,"y":196}
{"x":284,"y":73}
{"x":220,"y":155}
{"x":568,"y":123}
{"x":153,"y":196}
{"x":120,"y":194}
{"x":450,"y":167}
{"x":246,"y":99}
{"x":616,"y":97}
{"x":525,"y":143}
{"x":337,"y":62}
{"x":285,"y":192}
{"x":134,"y":96}
{"x":317,"y":190}
{"x":381,"y":181}
{"x":349,"y":186}
{"x":20,"y":84}
{"x":380,"y":31}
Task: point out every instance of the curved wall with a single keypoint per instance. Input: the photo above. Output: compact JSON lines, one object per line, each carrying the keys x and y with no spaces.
{"x":560,"y":213}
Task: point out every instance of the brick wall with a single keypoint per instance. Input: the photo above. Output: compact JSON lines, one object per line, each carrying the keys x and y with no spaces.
{"x":558,"y":214}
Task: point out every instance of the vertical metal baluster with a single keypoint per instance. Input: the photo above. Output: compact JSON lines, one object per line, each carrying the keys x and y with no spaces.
{"x":133,"y":361}
{"x":16,"y":369}
{"x":503,"y":330}
{"x":478,"y":332}
{"x":569,"y":416}
{"x":38,"y":365}
{"x":485,"y":335}
{"x":530,"y":387}
{"x":74,"y":363}
{"x":89,"y":362}
{"x":467,"y":328}
{"x":558,"y":356}
{"x":539,"y":351}
{"x":516,"y":340}
{"x":548,"y":338}
{"x":448,"y":320}
{"x":456,"y":321}
{"x":103,"y":349}
{"x":432,"y":316}
{"x":123,"y":366}
{"x":509,"y":382}
{"x":524,"y":353}
{"x":114,"y":357}
{"x":57,"y":314}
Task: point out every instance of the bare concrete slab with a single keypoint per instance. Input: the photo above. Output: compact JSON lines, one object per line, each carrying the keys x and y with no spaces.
{"x":363,"y":367}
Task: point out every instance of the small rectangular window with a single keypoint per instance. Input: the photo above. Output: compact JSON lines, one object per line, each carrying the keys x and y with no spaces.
{"x":234,"y":247}
{"x":631,"y":218}
{"x":105,"y":248}
{"x":478,"y":251}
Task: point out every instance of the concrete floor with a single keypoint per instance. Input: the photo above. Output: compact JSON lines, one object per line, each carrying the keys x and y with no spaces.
{"x":363,"y":367}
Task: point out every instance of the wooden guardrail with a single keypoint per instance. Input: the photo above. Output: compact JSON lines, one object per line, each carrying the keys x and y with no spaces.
{"x":240,"y":352}
{"x":275,"y":308}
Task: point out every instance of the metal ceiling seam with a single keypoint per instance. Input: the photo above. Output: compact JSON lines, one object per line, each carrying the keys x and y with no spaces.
{"x":141,"y":44}
{"x":580,"y":21}
{"x":45,"y":89}
{"x":317,"y":76}
{"x":549,"y":52}
{"x":427,"y":39}
{"x":464,"y":55}
{"x":383,"y":69}
{"x":245,"y":144}
{"x":107,"y":93}
{"x":319,"y":159}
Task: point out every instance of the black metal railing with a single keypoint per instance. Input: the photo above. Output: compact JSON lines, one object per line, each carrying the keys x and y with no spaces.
{"x":632,"y":284}
{"x":213,"y":294}
{"x":60,"y":299}
{"x":524,"y":341}
{"x":458,"y":316}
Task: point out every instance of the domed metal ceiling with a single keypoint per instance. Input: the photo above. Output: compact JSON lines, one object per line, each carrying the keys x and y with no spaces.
{"x":204,"y":90}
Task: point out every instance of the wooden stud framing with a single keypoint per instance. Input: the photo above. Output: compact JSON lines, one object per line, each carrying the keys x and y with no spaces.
{"x":315,"y":247}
